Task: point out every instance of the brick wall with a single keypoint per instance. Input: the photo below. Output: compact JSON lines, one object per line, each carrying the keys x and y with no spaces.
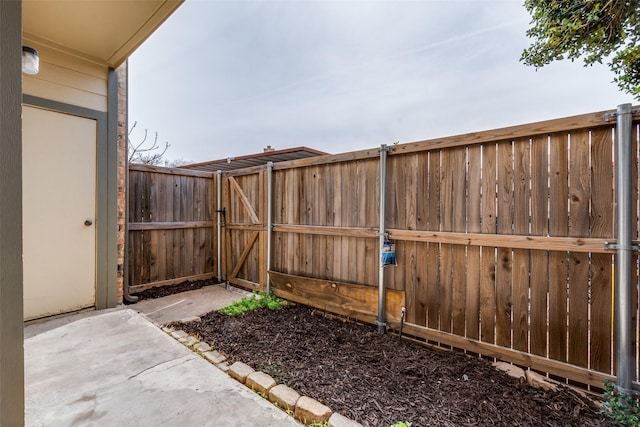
{"x":122,"y":164}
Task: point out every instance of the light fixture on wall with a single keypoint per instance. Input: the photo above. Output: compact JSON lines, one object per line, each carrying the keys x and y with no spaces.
{"x":30,"y":60}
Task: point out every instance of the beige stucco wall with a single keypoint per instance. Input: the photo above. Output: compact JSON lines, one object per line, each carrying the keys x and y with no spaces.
{"x":70,"y":79}
{"x":65,"y":77}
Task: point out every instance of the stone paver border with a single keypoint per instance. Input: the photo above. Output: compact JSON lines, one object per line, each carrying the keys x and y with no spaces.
{"x":304,"y":408}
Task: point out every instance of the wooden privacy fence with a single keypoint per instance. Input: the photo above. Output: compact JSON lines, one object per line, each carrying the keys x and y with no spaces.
{"x":171,"y":227}
{"x":499,"y":238}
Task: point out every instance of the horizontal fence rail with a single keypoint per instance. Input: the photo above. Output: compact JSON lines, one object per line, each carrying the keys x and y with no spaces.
{"x":499,"y":235}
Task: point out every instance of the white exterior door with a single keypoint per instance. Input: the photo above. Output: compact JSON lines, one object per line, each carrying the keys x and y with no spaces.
{"x":59,"y":208}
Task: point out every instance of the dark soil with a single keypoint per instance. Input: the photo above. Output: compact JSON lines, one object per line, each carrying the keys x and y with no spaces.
{"x":175,"y":289}
{"x":379,"y":380}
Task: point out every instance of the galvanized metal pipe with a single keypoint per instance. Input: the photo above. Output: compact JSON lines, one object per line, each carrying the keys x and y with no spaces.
{"x":219,"y":229}
{"x":623,"y":317}
{"x":269,"y":220}
{"x":382,"y":236}
{"x":125,"y":268}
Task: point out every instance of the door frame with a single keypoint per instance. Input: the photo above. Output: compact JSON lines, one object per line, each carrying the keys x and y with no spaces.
{"x":106,"y":197}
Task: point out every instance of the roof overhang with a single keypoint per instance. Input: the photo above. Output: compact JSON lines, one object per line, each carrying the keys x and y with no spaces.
{"x":258,"y":159}
{"x":102,"y":31}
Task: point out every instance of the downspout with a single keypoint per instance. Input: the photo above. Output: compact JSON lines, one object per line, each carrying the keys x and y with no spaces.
{"x":219,"y":229}
{"x":125,"y":268}
{"x":269,"y":221}
{"x":382,"y":235}
{"x":625,"y":371}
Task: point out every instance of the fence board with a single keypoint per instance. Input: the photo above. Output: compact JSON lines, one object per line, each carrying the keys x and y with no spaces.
{"x":488,"y":253}
{"x":422,"y":249}
{"x":521,"y":268}
{"x":409,"y":174}
{"x":558,"y":226}
{"x":309,"y":195}
{"x":459,"y":223}
{"x":446,"y":257}
{"x":539,"y":266}
{"x":344,"y":211}
{"x":602,"y":213}
{"x":175,"y":239}
{"x":361,"y":256}
{"x":474,"y":186}
{"x":580,"y":180}
{"x":433,"y":223}
{"x":170,"y":196}
{"x":504,"y":256}
{"x":337,"y":220}
{"x":371,"y":170}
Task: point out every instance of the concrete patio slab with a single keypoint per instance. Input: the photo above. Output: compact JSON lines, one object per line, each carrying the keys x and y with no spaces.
{"x":117,"y":368}
{"x":188,"y":304}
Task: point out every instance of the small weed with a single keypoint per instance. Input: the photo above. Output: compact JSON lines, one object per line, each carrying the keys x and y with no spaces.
{"x":401,"y":424}
{"x":621,"y":409}
{"x":254,"y":302}
{"x":275,"y":372}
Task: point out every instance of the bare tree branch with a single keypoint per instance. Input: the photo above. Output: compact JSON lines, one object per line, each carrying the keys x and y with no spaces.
{"x":150,"y":154}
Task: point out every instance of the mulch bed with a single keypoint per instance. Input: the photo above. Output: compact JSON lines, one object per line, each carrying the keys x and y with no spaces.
{"x":164,"y":291}
{"x":379,"y":380}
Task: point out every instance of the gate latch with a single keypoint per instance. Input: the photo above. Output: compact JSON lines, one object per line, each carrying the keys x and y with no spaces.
{"x":223,"y":220}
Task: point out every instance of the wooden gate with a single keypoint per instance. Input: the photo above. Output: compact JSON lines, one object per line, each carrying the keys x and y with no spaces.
{"x":244,"y":235}
{"x":172,"y":233}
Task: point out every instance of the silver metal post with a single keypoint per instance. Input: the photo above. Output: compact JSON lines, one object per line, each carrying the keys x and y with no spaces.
{"x":269,"y":220}
{"x":623,"y":316}
{"x":382,"y":235}
{"x":219,"y":229}
{"x":125,"y":268}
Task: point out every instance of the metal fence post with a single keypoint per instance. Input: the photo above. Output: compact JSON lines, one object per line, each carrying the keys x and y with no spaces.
{"x":269,"y":220}
{"x":623,"y":326}
{"x":219,"y":230}
{"x":381,"y":322}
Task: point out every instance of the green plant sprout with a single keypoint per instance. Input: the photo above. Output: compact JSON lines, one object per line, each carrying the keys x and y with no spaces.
{"x":401,"y":424}
{"x":254,"y":302}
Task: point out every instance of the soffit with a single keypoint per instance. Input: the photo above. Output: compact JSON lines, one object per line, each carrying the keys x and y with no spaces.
{"x":104,"y":31}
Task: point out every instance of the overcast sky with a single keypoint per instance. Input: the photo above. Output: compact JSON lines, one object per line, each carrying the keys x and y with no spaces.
{"x":228,"y":78}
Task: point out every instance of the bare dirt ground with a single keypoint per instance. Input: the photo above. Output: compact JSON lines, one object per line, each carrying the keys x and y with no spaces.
{"x":379,"y":380}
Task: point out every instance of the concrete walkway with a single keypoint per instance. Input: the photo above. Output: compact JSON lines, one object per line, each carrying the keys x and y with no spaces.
{"x":187,"y":304}
{"x":117,"y":368}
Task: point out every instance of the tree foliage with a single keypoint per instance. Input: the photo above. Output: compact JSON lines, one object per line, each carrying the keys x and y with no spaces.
{"x":588,"y":29}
